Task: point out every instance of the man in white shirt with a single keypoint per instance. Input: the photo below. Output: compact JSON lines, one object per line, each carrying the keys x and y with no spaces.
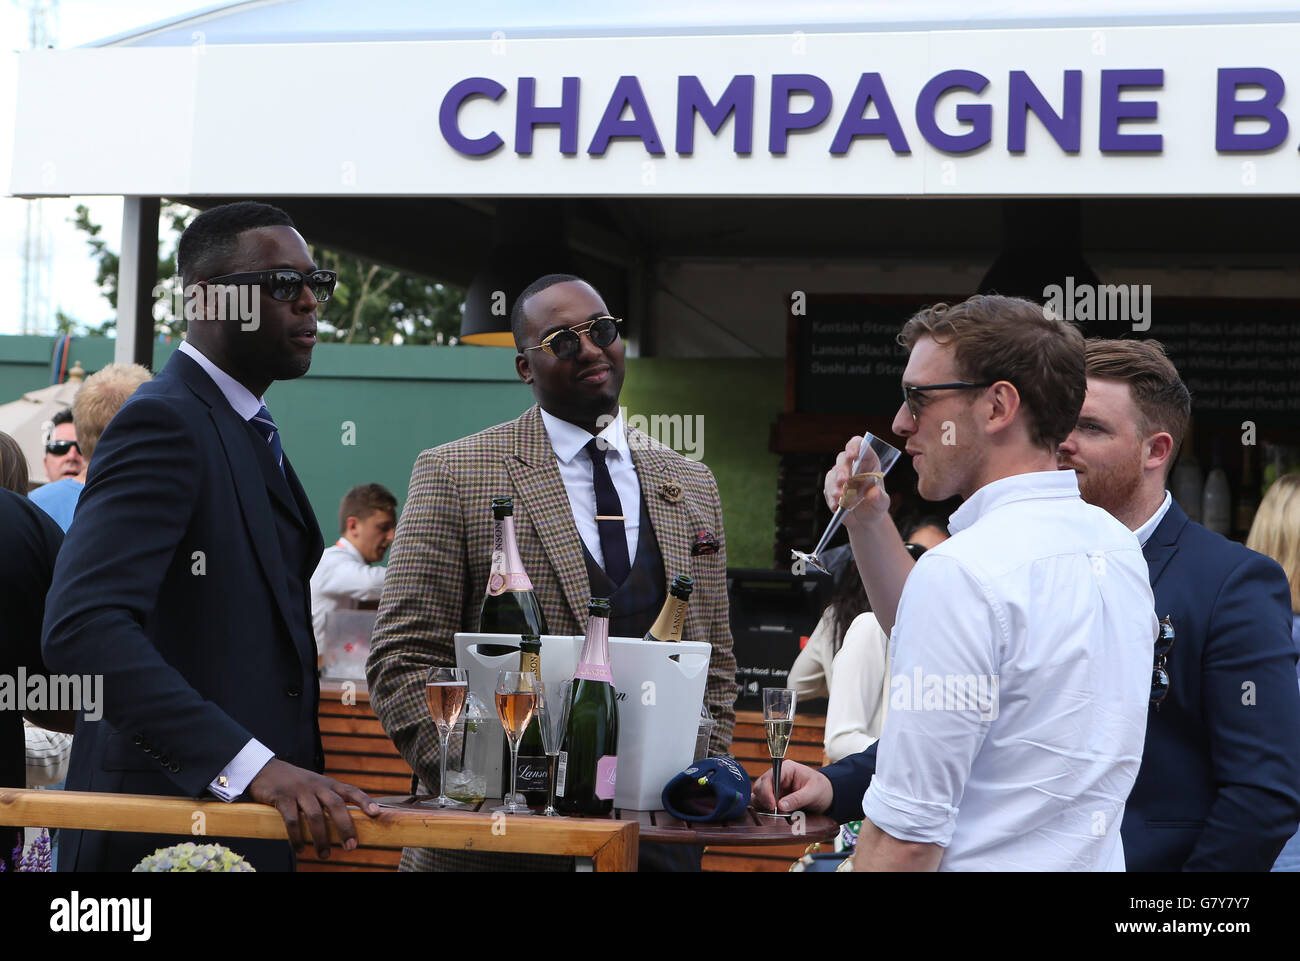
{"x":346,"y":576}
{"x":1022,"y":646}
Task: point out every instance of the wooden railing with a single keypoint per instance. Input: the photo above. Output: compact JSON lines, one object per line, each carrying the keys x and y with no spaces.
{"x":611,"y":845}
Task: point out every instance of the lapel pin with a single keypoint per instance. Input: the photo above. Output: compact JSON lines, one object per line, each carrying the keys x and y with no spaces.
{"x":670,"y":492}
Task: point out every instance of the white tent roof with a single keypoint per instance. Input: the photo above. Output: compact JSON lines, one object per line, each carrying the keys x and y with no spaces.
{"x":27,"y":419}
{"x":336,"y":21}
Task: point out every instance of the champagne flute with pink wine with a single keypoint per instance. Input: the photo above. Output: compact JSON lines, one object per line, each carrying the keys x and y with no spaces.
{"x":516,"y":697}
{"x":445,"y":689}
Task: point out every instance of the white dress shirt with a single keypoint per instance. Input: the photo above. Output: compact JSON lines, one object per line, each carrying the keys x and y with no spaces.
{"x":568,"y":441}
{"x":342,"y":580}
{"x":1041,"y":603}
{"x":248,"y":763}
{"x":1144,"y":532}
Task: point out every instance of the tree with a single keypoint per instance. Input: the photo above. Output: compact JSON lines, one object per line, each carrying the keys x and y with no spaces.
{"x":372,"y":304}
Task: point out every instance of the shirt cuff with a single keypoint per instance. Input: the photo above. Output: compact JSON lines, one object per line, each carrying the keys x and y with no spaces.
{"x":239,"y":773}
{"x":909,"y":819}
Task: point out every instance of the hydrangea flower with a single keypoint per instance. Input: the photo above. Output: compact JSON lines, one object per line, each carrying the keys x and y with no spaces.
{"x":193,"y":857}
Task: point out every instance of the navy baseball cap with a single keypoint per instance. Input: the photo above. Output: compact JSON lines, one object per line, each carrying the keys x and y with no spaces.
{"x":714,"y":789}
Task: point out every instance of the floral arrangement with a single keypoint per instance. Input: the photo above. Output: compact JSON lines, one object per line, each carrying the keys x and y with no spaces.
{"x":193,"y":857}
{"x":36,"y":858}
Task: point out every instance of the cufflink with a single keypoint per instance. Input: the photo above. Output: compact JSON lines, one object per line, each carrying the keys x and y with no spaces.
{"x":223,"y":781}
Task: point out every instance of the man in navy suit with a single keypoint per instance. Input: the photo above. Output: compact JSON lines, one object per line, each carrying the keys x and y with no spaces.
{"x":1219,"y":785}
{"x":184,"y":581}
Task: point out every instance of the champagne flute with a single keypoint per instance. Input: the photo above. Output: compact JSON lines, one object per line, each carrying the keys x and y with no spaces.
{"x":516,"y":697}
{"x":778,"y":717}
{"x":554,"y":698}
{"x":445,"y":689}
{"x":875,"y":458}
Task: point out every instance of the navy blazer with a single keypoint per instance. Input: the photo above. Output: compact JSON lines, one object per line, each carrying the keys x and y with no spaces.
{"x":1219,"y":785}
{"x":184,"y":582}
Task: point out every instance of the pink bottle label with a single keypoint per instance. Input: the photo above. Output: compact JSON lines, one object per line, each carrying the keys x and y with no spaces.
{"x":594,"y":672}
{"x":606,"y":775}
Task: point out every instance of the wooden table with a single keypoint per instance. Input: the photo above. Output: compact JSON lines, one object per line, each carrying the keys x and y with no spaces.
{"x":359,"y":752}
{"x":660,"y":827}
{"x":611,"y":845}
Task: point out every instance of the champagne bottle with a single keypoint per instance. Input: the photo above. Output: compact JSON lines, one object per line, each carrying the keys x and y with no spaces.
{"x":509,"y":606}
{"x":1187,"y":482}
{"x":534,"y":766}
{"x":1216,"y":500}
{"x":589,"y":755}
{"x":1248,"y":498}
{"x":671,"y":621}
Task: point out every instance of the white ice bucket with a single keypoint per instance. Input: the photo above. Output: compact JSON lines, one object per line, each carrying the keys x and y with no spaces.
{"x":659,"y":701}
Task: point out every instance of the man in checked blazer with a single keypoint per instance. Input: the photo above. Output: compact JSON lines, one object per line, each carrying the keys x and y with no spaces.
{"x":671,"y":523}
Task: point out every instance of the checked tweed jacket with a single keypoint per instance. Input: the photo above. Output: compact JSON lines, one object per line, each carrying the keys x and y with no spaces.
{"x":438,"y":569}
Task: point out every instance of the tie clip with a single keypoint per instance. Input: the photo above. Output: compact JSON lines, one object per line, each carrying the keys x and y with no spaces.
{"x":610,"y":517}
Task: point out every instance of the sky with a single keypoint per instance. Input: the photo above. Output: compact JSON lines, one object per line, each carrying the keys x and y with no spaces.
{"x":71,"y":269}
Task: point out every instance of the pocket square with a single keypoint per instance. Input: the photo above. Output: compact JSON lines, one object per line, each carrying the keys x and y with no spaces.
{"x":705,"y":543}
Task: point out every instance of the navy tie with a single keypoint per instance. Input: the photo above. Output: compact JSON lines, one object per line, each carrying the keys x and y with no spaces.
{"x":266,"y":427}
{"x":609,"y":516}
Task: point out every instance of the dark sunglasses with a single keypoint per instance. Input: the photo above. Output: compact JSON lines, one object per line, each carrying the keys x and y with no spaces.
{"x":60,"y":447}
{"x":1159,"y":675}
{"x":566,"y":344}
{"x":909,"y":392}
{"x":285,"y":284}
{"x":916,"y":550}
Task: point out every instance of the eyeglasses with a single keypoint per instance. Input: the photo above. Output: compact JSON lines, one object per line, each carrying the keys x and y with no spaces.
{"x":908,"y":392}
{"x":1160,"y":676}
{"x":60,"y":447}
{"x":285,"y":284}
{"x":565,"y":344}
{"x":916,"y":550}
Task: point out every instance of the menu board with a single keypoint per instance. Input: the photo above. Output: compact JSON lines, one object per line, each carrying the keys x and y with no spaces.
{"x":1236,"y":358}
{"x":847,"y":360}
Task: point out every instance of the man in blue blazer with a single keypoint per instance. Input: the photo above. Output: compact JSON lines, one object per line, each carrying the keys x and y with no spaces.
{"x":184,"y":581}
{"x":1219,"y":785}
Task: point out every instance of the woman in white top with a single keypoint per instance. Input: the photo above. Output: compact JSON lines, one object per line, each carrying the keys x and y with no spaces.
{"x":846,"y":658}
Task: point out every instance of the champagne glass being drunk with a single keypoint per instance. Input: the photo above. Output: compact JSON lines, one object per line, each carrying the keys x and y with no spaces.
{"x":516,"y":697}
{"x":445,"y":689}
{"x":778,"y":718}
{"x":554,"y":698}
{"x":875,"y":458}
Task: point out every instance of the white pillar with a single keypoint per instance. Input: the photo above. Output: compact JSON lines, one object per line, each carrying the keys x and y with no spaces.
{"x":137,"y":274}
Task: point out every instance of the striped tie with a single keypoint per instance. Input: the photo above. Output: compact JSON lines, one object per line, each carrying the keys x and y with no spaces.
{"x":266,"y":427}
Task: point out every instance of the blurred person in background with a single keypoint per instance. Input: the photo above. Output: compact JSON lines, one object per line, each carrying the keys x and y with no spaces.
{"x":13,"y":466}
{"x":347,"y":576}
{"x":63,"y":457}
{"x":47,"y":750}
{"x":848,"y":635}
{"x":1276,"y":534}
{"x":98,"y":400}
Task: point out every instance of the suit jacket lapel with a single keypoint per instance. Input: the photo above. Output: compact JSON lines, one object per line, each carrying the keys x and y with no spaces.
{"x":278,"y":483}
{"x":539,"y":488}
{"x":674,"y":521}
{"x":1162,"y":545}
{"x":250,"y":483}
